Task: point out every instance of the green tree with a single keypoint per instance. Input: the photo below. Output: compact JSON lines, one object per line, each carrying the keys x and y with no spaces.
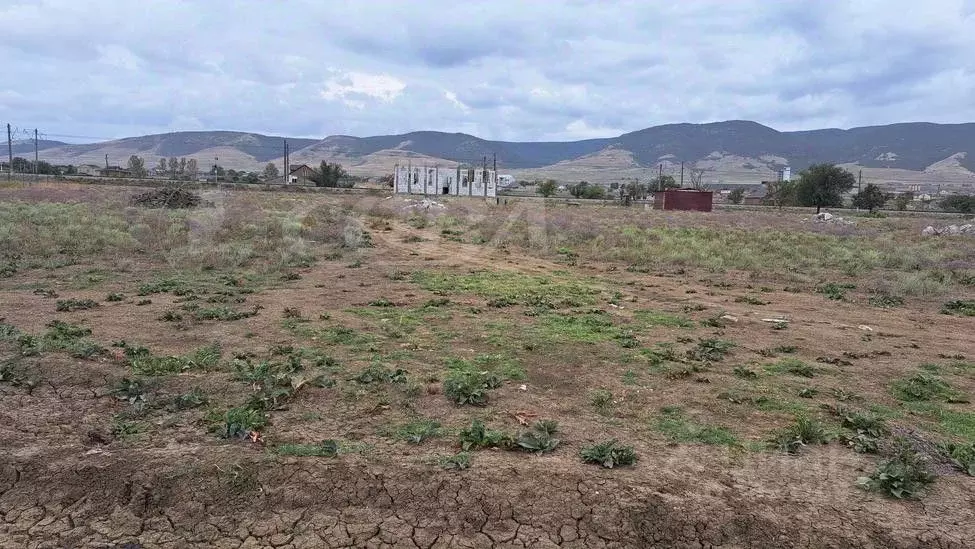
{"x":781,"y":193}
{"x":251,"y":178}
{"x":191,"y":169}
{"x":955,"y":203}
{"x":664,"y":182}
{"x":823,"y":185}
{"x":870,"y":198}
{"x":330,"y":175}
{"x":182,"y":167}
{"x":594,"y":192}
{"x":137,"y":166}
{"x":161,"y":169}
{"x":270,"y":171}
{"x":547,"y":188}
{"x":736,"y":196}
{"x":902,"y":200}
{"x":579,"y":189}
{"x":387,"y":180}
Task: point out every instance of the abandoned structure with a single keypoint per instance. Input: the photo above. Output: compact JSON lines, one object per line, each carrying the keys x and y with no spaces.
{"x":459,"y":181}
{"x":683,"y":199}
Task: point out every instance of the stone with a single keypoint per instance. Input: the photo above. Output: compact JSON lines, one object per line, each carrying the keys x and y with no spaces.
{"x":929,"y":231}
{"x":952,"y":230}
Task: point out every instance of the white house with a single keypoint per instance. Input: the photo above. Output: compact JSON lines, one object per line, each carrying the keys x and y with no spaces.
{"x":435,"y":180}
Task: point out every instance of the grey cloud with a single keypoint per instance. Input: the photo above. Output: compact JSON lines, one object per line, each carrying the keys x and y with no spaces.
{"x":504,"y":70}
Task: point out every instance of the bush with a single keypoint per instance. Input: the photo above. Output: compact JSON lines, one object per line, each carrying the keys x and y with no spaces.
{"x":905,"y":475}
{"x":608,"y":454}
{"x":601,"y":400}
{"x":240,"y":422}
{"x":470,"y":387}
{"x":540,"y":438}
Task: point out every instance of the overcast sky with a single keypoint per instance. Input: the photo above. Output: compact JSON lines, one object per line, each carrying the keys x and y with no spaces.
{"x":513,"y":70}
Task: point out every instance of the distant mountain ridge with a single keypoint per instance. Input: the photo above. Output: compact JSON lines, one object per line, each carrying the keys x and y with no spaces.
{"x":742,"y":145}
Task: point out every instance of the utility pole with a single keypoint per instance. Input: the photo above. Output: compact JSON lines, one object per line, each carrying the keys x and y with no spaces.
{"x":682,"y":175}
{"x":35,"y":153}
{"x":859,"y":182}
{"x":106,"y":161}
{"x":660,"y":176}
{"x":287,"y":164}
{"x":10,"y":155}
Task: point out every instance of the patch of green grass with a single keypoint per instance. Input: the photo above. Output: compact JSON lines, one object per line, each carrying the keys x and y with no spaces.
{"x":114,"y":297}
{"x":710,"y":350}
{"x":608,"y":454}
{"x":750,"y":300}
{"x":924,"y":387}
{"x":744,"y":373}
{"x":125,"y":430}
{"x":377,"y":372}
{"x":187,"y":401}
{"x":456,"y":462}
{"x":601,"y":400}
{"x":959,"y":307}
{"x":676,"y":426}
{"x":802,"y":432}
{"x":835,"y":291}
{"x":239,"y":422}
{"x":885,"y":300}
{"x":956,"y":423}
{"x":962,"y":456}
{"x":582,"y":328}
{"x":222,"y":313}
{"x":325,"y":448}
{"x":69,"y":305}
{"x":62,"y":336}
{"x":501,"y":365}
{"x":415,"y":432}
{"x":555,"y":291}
{"x":341,"y":335}
{"x":792,"y":366}
{"x":650,"y":319}
{"x":143,"y":362}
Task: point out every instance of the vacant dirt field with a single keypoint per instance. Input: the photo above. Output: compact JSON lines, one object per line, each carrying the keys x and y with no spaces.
{"x":298,"y":371}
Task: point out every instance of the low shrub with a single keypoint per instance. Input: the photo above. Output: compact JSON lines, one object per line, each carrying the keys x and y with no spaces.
{"x":608,"y":454}
{"x":905,"y":475}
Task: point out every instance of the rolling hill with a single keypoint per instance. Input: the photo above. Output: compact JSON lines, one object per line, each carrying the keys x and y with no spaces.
{"x":735,"y":151}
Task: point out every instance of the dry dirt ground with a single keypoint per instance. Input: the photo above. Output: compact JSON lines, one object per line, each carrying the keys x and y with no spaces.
{"x":101,"y":446}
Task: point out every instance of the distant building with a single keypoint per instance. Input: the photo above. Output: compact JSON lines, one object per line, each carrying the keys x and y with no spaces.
{"x":114,"y":171}
{"x":459,"y":181}
{"x":300,"y":172}
{"x":506,"y":181}
{"x":787,"y":174}
{"x":88,"y":169}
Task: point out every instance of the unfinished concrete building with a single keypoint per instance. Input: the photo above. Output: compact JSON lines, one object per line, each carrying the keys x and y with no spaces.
{"x":459,"y":181}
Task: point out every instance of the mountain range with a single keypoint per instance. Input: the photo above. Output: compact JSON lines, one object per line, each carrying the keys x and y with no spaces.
{"x":734,"y":151}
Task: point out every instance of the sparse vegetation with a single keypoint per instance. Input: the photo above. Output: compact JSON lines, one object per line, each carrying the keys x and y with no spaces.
{"x":803,"y":432}
{"x":608,"y":454}
{"x":905,"y":475}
